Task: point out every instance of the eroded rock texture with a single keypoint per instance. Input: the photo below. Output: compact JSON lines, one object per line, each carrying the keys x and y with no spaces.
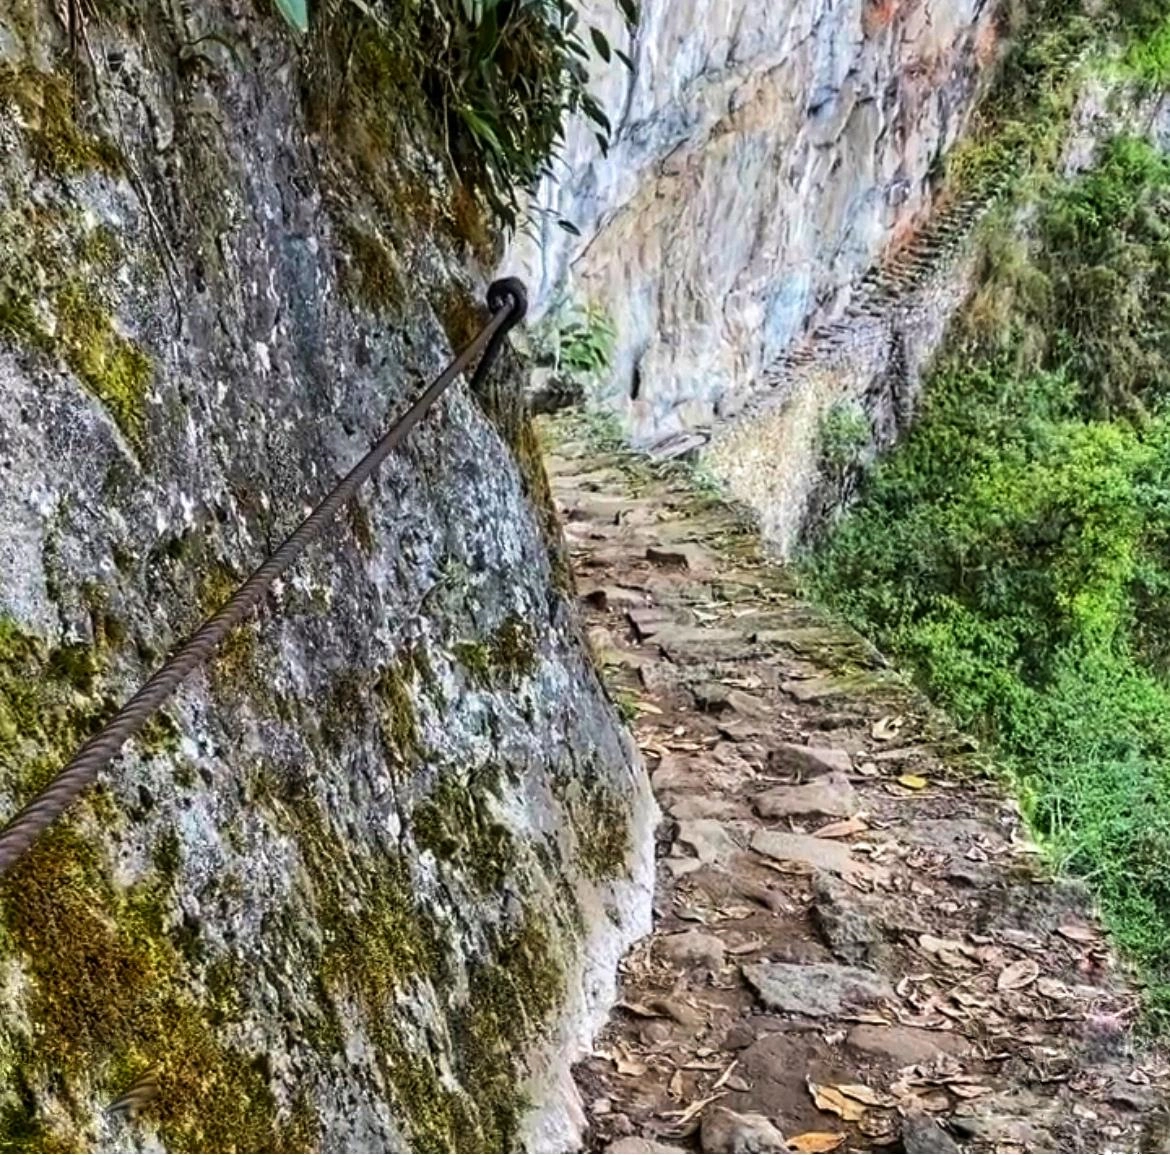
{"x":764,"y":157}
{"x":364,"y":886}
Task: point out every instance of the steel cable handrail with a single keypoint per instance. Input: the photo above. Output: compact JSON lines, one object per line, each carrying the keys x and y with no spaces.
{"x":508,"y":302}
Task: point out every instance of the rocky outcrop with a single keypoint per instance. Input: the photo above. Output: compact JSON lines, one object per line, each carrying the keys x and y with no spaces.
{"x":364,"y":885}
{"x":763,"y":158}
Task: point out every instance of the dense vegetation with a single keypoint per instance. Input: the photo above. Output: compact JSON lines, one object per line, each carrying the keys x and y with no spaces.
{"x":1016,"y":549}
{"x":502,"y":77}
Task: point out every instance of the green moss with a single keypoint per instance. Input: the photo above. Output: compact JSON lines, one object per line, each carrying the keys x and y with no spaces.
{"x":109,"y":999}
{"x":397,"y":718}
{"x":45,"y":102}
{"x":456,"y":825}
{"x":506,"y":656}
{"x":510,"y":1000}
{"x":167,"y":856}
{"x":48,"y":707}
{"x":117,"y":371}
{"x":371,"y":274}
{"x":601,"y":823}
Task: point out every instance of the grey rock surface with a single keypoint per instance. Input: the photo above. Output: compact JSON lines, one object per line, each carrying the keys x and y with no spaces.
{"x":365,"y":885}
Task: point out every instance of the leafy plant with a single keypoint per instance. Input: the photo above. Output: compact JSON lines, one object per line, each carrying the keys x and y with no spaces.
{"x":1016,"y":549}
{"x":577,"y":340}
{"x":503,"y":76}
{"x":844,"y":434}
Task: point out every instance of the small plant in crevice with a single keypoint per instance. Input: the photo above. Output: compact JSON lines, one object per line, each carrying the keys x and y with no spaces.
{"x":573,"y":346}
{"x":843,"y":437}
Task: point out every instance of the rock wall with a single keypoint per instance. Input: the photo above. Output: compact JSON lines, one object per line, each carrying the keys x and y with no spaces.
{"x":364,"y":886}
{"x":763,"y":158}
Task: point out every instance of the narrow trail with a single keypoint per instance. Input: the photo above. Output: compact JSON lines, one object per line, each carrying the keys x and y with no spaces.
{"x":856,"y":948}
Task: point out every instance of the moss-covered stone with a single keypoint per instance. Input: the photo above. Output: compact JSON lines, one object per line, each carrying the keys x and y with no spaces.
{"x":45,"y":103}
{"x":511,"y":997}
{"x":371,"y":274}
{"x":506,"y":656}
{"x":397,"y":718}
{"x":109,"y":999}
{"x":48,"y":707}
{"x":600,"y":823}
{"x":114,"y":369}
{"x":456,"y":825}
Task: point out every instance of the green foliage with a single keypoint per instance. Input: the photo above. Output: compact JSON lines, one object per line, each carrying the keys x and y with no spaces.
{"x":844,"y":434}
{"x":578,"y":340}
{"x":501,"y":76}
{"x":1016,"y":549}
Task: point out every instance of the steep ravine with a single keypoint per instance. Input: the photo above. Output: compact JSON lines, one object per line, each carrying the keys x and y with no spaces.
{"x":364,"y":884}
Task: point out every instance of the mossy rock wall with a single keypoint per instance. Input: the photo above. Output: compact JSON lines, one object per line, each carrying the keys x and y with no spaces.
{"x":346,"y":894}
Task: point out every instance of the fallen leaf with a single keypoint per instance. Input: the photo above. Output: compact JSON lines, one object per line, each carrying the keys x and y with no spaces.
{"x":1053,"y":989}
{"x":747,"y":947}
{"x":830,"y":1099}
{"x":967,"y":1091}
{"x":1018,"y":975}
{"x":886,"y":728}
{"x":701,"y":1065}
{"x":880,"y":1127}
{"x":634,"y":1067}
{"x":841,"y":829}
{"x":725,"y":1076}
{"x":675,"y":1088}
{"x":643,"y":1012}
{"x":687,"y":1115}
{"x":866,"y":1095}
{"x":868,"y":770}
{"x":644,"y":707}
{"x":1077,"y":933}
{"x":913,"y":781}
{"x":933,"y":945}
{"x":814,"y":1142}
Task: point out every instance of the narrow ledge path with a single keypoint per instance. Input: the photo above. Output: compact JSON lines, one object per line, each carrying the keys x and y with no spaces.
{"x":856,"y":947}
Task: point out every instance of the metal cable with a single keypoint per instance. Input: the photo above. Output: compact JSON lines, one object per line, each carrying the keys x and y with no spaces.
{"x":508,"y":303}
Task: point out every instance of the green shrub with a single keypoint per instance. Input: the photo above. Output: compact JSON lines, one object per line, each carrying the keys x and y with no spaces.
{"x":1015,"y":550}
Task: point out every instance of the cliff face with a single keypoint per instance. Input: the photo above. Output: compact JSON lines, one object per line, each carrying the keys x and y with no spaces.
{"x":763,"y":158}
{"x":365,"y":884}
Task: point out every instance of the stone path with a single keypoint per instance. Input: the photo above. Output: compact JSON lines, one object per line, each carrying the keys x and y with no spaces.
{"x":856,"y":948}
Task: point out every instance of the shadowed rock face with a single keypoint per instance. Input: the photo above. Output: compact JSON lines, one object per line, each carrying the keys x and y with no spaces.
{"x":764,"y":156}
{"x":364,"y":886}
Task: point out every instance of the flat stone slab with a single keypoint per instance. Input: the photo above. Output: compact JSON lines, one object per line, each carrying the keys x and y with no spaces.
{"x":832,"y":795}
{"x":699,"y":644}
{"x":906,"y":1046}
{"x":810,"y":759}
{"x":710,"y":840}
{"x":819,"y":853}
{"x":819,"y":990}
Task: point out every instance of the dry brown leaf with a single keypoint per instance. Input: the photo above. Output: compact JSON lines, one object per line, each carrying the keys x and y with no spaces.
{"x":969,"y":1091}
{"x":886,"y":728}
{"x":627,"y":1066}
{"x":725,"y":1076}
{"x":842,"y":829}
{"x":816,"y":1142}
{"x":702,"y":1065}
{"x":642,"y":1011}
{"x":913,"y":781}
{"x":644,"y":707}
{"x":1018,"y":975}
{"x":686,"y":1116}
{"x":747,"y":947}
{"x":1077,"y":933}
{"x":830,"y":1099}
{"x":675,"y":1087}
{"x":866,"y":1095}
{"x":1053,"y":989}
